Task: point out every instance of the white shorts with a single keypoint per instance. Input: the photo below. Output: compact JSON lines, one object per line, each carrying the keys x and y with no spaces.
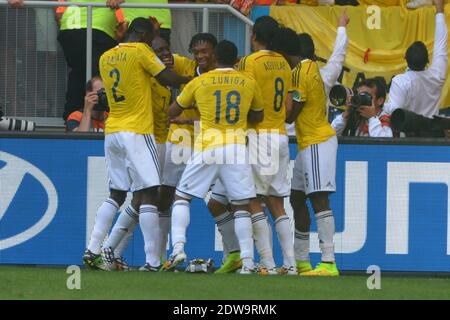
{"x":219,"y":193}
{"x":315,"y":168}
{"x":132,"y":161}
{"x":175,"y":161}
{"x":200,"y":175}
{"x":161,"y":147}
{"x":269,"y":156}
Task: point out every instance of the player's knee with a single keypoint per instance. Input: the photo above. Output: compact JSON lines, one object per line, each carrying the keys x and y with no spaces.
{"x":216,"y":208}
{"x":118,"y":196}
{"x":149,"y":195}
{"x":320,"y":201}
{"x":297,"y":200}
{"x":165,"y":196}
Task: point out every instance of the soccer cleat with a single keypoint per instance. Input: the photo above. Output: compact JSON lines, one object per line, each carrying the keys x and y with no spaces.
{"x":121,"y":264}
{"x":263,"y":271}
{"x":290,"y":271}
{"x":108,"y":261}
{"x":303,"y":266}
{"x":231,"y":264}
{"x":147,"y":267}
{"x":247,"y":270}
{"x":323,"y":269}
{"x":91,"y":260}
{"x":174,"y":261}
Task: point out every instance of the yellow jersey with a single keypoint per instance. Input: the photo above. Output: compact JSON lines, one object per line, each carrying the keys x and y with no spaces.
{"x":311,"y":126}
{"x":273,"y":75}
{"x":223,"y":98}
{"x":127,"y":71}
{"x":184,"y":67}
{"x":160,"y":102}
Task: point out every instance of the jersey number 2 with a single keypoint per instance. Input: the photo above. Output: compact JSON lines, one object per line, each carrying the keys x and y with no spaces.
{"x":230,"y":106}
{"x":116,"y":73}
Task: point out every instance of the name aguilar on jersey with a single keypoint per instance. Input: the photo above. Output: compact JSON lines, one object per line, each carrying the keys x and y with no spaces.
{"x":275,"y":65}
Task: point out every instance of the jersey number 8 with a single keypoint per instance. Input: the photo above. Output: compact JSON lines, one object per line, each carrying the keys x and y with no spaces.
{"x":279,"y":92}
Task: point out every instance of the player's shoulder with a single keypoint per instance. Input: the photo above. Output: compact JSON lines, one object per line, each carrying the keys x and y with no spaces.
{"x":309,"y":67}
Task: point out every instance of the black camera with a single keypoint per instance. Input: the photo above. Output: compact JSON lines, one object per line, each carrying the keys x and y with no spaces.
{"x":339,"y":95}
{"x":416,"y":125}
{"x":102,"y":104}
{"x":361,"y":99}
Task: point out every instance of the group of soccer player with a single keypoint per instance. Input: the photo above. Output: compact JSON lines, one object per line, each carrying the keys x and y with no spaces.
{"x":240,"y":152}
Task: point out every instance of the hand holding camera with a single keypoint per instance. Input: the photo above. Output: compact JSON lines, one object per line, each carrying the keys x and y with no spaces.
{"x":90,"y":100}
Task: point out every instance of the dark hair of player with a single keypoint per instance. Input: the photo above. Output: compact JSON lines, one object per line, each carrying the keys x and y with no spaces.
{"x":203,"y":37}
{"x":226,"y":53}
{"x":265,"y":30}
{"x":286,"y":42}
{"x":306,"y":46}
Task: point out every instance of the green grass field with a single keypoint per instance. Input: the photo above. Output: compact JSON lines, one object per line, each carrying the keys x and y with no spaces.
{"x":19,"y":282}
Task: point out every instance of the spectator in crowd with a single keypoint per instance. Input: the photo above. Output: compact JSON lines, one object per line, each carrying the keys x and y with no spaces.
{"x":16,"y":3}
{"x":419,"y":89}
{"x":372,"y":121}
{"x":72,"y":37}
{"x":88,"y":119}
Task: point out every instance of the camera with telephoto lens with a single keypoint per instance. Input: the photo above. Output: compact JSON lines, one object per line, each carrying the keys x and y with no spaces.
{"x":11,"y":124}
{"x":102,"y":104}
{"x":341,"y":96}
{"x":416,"y":125}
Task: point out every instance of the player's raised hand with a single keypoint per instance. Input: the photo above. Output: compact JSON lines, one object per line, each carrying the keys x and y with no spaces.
{"x":343,"y":19}
{"x":156,"y":24}
{"x":121,"y":30}
{"x":439,"y":6}
{"x":114,"y":4}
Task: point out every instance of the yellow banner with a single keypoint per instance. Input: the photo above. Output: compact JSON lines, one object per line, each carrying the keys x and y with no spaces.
{"x":378,"y":36}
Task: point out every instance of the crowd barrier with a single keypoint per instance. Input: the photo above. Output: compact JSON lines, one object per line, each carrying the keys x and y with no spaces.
{"x":391,"y":207}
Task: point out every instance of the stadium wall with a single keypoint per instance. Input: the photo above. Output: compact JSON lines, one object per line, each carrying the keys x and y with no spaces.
{"x":392,"y":204}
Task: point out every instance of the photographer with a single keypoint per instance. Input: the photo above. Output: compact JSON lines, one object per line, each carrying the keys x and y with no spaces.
{"x":89,"y":119}
{"x":367,"y":120}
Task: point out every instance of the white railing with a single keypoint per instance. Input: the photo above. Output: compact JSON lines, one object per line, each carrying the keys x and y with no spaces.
{"x":200,"y":7}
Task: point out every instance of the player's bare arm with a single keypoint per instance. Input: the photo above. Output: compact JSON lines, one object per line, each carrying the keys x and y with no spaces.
{"x":169,"y":78}
{"x":296,"y":109}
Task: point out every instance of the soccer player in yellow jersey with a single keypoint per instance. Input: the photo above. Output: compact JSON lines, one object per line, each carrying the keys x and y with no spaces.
{"x":130,"y":152}
{"x":314,"y":174}
{"x":160,"y":102}
{"x":271,"y":144}
{"x":226,"y":100}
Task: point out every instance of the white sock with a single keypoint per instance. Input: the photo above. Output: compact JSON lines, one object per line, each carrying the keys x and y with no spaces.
{"x":122,"y":231}
{"x":149,"y":220}
{"x":301,"y":246}
{"x":123,"y":244}
{"x":180,"y":223}
{"x":243,"y":229}
{"x":325,"y":229}
{"x":286,"y":239}
{"x":261,"y":233}
{"x":225,"y":224}
{"x":103,"y":220}
{"x":164,"y":229}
